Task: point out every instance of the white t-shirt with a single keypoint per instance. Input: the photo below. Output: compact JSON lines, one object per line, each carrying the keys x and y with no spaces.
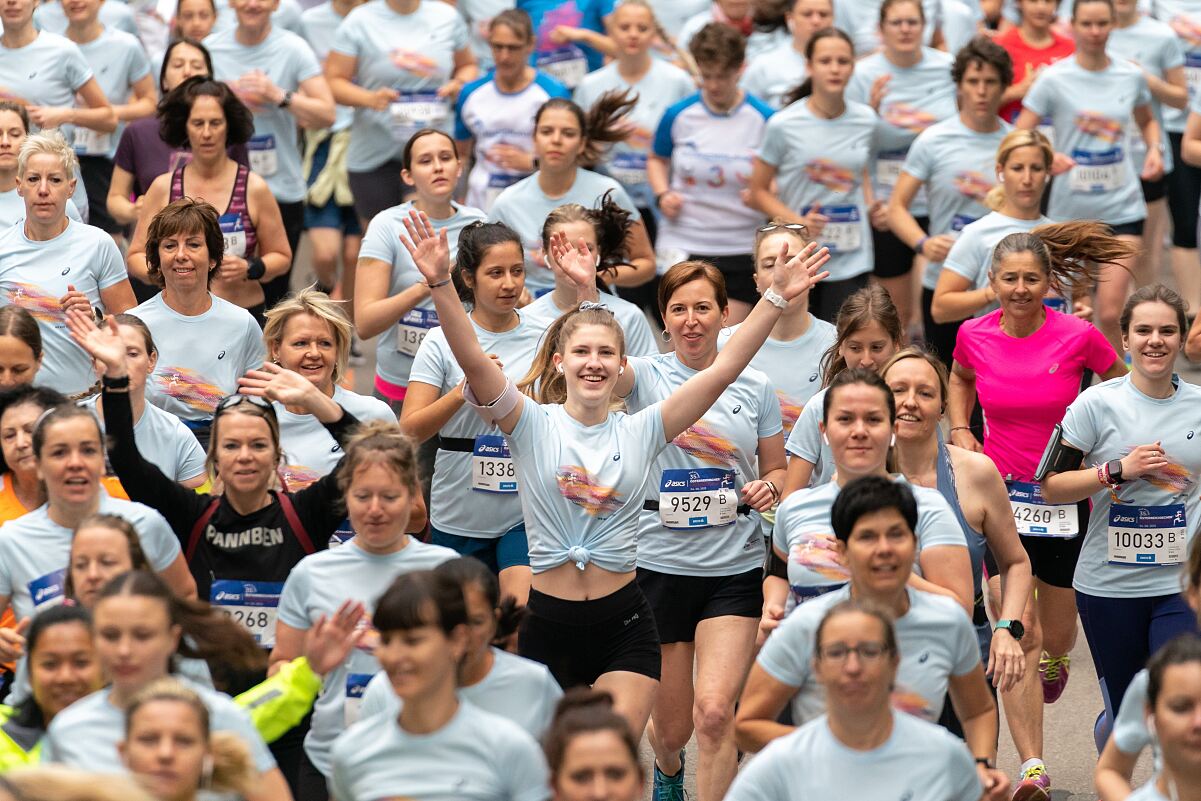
{"x":163,"y":441}
{"x":46,"y":72}
{"x":936,"y":641}
{"x":12,"y":208}
{"x":200,"y":357}
{"x":35,"y":276}
{"x":309,"y":450}
{"x":774,"y":73}
{"x":517,"y":689}
{"x":317,"y":586}
{"x":476,"y":756}
{"x":118,"y":60}
{"x":711,"y":461}
{"x":919,"y":761}
{"x":288,"y":61}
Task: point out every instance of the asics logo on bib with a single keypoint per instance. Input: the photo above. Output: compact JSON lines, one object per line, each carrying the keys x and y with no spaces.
{"x":227,"y":596}
{"x":266,"y":537}
{"x":483,"y":448}
{"x":47,"y":592}
{"x":671,"y":483}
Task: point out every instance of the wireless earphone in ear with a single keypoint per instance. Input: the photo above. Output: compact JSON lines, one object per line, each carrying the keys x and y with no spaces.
{"x":621,"y":371}
{"x":893,"y":443}
{"x":1000,"y":179}
{"x":825,"y":439}
{"x":559,"y":367}
{"x":1151,"y":726}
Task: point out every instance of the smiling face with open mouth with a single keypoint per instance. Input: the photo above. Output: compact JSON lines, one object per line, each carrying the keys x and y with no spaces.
{"x":308,"y":346}
{"x":1021,"y":282}
{"x":184,"y":262}
{"x":1153,"y":339}
{"x":693,"y":316}
{"x":917,"y":390}
{"x":71,"y":460}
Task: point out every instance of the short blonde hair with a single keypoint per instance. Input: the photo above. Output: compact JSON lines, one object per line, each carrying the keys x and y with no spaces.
{"x":320,"y":305}
{"x":51,"y":142}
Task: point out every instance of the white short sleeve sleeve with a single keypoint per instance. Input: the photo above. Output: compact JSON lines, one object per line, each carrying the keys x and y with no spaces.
{"x":805,"y":440}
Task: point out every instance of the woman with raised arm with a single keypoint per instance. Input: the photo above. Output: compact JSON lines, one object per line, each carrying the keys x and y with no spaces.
{"x":582,"y":508}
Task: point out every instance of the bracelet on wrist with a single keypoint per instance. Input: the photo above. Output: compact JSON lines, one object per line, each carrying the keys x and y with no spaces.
{"x":920,"y":244}
{"x":775,"y":298}
{"x":255,"y":269}
{"x":960,"y":428}
{"x":437,"y":284}
{"x":119,"y":383}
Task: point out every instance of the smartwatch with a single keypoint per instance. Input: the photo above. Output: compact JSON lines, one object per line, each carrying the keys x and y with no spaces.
{"x":1014,"y":627}
{"x":287,"y":100}
{"x":1114,"y":466}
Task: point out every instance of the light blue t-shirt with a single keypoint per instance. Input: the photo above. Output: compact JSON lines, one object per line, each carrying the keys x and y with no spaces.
{"x":1148,"y":792}
{"x":318,"y":25}
{"x":200,"y":357}
{"x":757,"y":43}
{"x":672,"y":14}
{"x":288,"y":61}
{"x":956,"y":166}
{"x":861,"y":19}
{"x":916,"y":98}
{"x":490,"y":117}
{"x":710,"y":461}
{"x":470,"y":496}
{"x":774,"y":73}
{"x":524,"y":206}
{"x":1151,"y":44}
{"x":398,"y":343}
{"x":317,"y":586}
{"x":971,"y":255}
{"x":46,"y":72}
{"x":1130,"y":732}
{"x":476,"y":755}
{"x":478,"y":15}
{"x":661,"y":87}
{"x":568,"y":63}
{"x":118,"y":61}
{"x":85,"y":734}
{"x":1091,"y":112}
{"x":49,"y":16}
{"x":919,"y":761}
{"x":821,"y":163}
{"x":411,"y":53}
{"x":35,"y":276}
{"x":582,"y":486}
{"x":1184,"y":18}
{"x":1136,"y":549}
{"x":309,"y":450}
{"x":935,"y":638}
{"x":806,"y":441}
{"x":794,"y":366}
{"x":804,"y":533}
{"x":640,"y":340}
{"x":163,"y":441}
{"x":712,"y":156}
{"x":516,"y":688}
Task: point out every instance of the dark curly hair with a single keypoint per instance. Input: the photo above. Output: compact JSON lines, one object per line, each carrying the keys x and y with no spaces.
{"x":176,"y":107}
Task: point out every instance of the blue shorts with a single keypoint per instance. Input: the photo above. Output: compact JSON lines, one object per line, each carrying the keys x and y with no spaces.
{"x":508,"y":550}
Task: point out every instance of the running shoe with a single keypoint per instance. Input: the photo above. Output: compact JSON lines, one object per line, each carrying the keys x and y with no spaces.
{"x":1053,"y":670}
{"x":1035,"y":785}
{"x":669,"y":788}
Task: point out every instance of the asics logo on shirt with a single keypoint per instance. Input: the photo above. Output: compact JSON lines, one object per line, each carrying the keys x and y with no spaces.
{"x":737,"y":409}
{"x":1189,"y":436}
{"x":617,"y":457}
{"x":221,"y":355}
{"x":32,"y":75}
{"x":1053,"y":368}
{"x":812,"y":378}
{"x":922,"y":659}
{"x":336,"y":448}
{"x":64,"y":272}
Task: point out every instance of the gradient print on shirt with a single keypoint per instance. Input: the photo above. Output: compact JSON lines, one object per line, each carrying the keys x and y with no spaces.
{"x":701,"y":441}
{"x":43,"y":306}
{"x":189,"y":387}
{"x":908,"y":117}
{"x":578,"y":485}
{"x":830,"y":175}
{"x":1094,"y":124}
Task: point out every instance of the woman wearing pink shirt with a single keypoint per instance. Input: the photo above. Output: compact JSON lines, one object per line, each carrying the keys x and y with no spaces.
{"x":1026,"y":362}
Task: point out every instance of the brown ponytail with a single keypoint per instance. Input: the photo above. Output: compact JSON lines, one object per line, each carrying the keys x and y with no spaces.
{"x":1070,"y":253}
{"x":872,"y":304}
{"x":601,"y":126}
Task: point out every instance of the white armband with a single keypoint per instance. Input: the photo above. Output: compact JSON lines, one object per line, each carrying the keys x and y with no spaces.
{"x":500,"y":408}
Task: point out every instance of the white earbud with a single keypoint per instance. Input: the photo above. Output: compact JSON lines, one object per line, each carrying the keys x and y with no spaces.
{"x":825,"y":439}
{"x":621,"y":370}
{"x":1000,"y":179}
{"x":560,"y":368}
{"x":893,"y":444}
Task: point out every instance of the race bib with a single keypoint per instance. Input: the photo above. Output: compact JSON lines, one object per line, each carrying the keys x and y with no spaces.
{"x":253,"y":605}
{"x":1057,"y":303}
{"x":492,"y":468}
{"x":961,"y":221}
{"x":843,"y":231}
{"x":416,"y":110}
{"x":628,"y":168}
{"x":1192,"y":72}
{"x":888,"y":167}
{"x":412,"y":329}
{"x":356,"y":685}
{"x":1035,"y":517}
{"x":343,"y":534}
{"x":1096,"y":173}
{"x":234,"y":234}
{"x":497,"y":183}
{"x":47,"y":590}
{"x":264,"y":159}
{"x":91,"y":143}
{"x":568,"y":65}
{"x":1147,"y":536}
{"x":701,"y":498}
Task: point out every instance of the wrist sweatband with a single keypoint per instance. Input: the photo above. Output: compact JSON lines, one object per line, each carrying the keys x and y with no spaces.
{"x":256,"y":269}
{"x":498,"y":409}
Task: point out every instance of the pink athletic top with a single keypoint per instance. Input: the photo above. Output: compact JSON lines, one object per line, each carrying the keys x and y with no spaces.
{"x":1026,"y":383}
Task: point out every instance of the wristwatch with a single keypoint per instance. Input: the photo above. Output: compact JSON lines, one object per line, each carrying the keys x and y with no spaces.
{"x":287,"y":100}
{"x":1014,"y":627}
{"x":1114,"y":466}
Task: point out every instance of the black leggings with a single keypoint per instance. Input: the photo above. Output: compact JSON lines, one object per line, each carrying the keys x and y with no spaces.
{"x":275,"y":289}
{"x":1184,"y":196}
{"x":311,"y":784}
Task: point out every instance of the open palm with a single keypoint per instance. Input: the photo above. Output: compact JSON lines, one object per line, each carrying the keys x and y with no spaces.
{"x":428,"y":248}
{"x":576,"y":262}
{"x":103,"y":344}
{"x":797,"y":275}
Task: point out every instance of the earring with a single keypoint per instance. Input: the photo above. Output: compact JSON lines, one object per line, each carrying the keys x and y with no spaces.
{"x":666,"y":337}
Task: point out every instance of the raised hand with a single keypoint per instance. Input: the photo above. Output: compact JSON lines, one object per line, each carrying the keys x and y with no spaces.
{"x":429,"y":249}
{"x":330,"y":640}
{"x":576,"y":263}
{"x":796,"y":276}
{"x":103,"y":344}
{"x":282,"y":386}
